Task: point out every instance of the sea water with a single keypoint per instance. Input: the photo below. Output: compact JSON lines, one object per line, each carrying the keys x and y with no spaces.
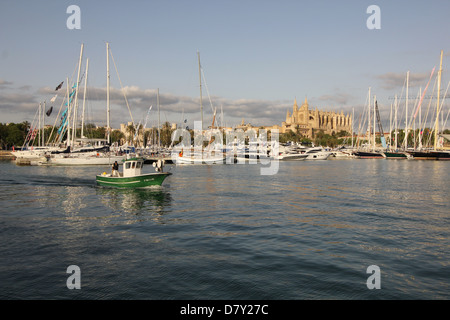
{"x":310,"y":231}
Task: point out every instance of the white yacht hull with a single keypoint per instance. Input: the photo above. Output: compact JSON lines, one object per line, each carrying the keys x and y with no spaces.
{"x":83,"y":160}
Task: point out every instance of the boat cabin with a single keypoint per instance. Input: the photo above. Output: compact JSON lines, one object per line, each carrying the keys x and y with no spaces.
{"x":132,"y":167}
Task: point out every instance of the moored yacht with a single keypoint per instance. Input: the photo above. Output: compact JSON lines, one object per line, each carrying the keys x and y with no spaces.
{"x":317,"y":153}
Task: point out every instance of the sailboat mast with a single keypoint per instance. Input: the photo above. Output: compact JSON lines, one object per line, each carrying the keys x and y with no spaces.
{"x":374,"y":127}
{"x":436,"y":131}
{"x":40,"y":107}
{"x":74,"y":126}
{"x":395,"y":122}
{"x":390,"y":129}
{"x":107,"y":93}
{"x":420,"y":126}
{"x":84,"y":99}
{"x":353,"y":117}
{"x":200,"y":79}
{"x":406,"y":111}
{"x":368,"y":121}
{"x":159,"y":121}
{"x":43,"y":124}
{"x":67,"y":124}
{"x":414,"y":122}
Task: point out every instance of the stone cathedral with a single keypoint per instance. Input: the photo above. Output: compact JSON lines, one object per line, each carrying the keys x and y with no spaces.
{"x":308,"y":122}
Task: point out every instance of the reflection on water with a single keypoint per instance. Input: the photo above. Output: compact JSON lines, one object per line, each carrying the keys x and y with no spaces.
{"x":140,"y":202}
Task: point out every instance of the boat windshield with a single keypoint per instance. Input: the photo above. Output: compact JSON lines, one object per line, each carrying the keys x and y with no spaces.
{"x":133,"y":165}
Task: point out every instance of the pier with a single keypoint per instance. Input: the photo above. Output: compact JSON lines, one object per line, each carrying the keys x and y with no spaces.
{"x":6,"y":155}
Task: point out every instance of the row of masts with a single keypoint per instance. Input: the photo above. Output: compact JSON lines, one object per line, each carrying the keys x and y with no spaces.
{"x":409,"y":120}
{"x":371,"y":116}
{"x":70,"y":124}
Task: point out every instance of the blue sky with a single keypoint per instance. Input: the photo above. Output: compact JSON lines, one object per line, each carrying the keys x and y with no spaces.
{"x":257,"y":56}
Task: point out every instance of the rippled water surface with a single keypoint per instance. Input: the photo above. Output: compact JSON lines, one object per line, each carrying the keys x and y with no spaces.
{"x":227,"y":232}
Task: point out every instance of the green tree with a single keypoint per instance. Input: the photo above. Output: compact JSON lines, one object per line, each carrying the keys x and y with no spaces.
{"x":117,"y":136}
{"x":16,"y":134}
{"x":3,"y":135}
{"x":166,"y":134}
{"x":131,"y":130}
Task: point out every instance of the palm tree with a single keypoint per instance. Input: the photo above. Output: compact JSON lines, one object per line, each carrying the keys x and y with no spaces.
{"x":131,"y":130}
{"x":117,"y":136}
{"x":166,"y":134}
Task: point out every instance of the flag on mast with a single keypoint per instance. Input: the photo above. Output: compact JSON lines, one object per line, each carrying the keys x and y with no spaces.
{"x":59,"y":86}
{"x":49,"y":112}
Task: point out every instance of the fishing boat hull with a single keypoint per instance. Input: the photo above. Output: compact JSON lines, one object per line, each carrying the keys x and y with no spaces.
{"x":140,"y":181}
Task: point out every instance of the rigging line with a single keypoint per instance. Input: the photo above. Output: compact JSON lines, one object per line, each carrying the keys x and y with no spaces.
{"x":400,"y":98}
{"x":443,"y":100}
{"x":30,"y":131}
{"x":424,"y":120}
{"x":415,"y":105}
{"x":423,"y":95}
{"x":123,"y":91}
{"x":60,"y":109}
{"x":445,"y":123}
{"x":430,"y":132}
{"x":56,"y":120}
{"x":437,"y":112}
{"x":209,"y":97}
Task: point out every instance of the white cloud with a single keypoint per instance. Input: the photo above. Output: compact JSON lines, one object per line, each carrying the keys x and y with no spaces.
{"x":174,"y":108}
{"x":337,"y":98}
{"x":392,"y":80}
{"x":4,"y":84}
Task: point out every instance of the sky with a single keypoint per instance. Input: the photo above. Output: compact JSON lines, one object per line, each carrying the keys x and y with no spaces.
{"x":256,"y":57}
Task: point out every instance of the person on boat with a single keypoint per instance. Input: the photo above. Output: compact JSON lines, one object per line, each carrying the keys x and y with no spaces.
{"x":115,"y":169}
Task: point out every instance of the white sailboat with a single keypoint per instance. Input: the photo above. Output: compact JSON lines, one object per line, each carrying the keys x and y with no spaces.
{"x":200,"y":155}
{"x":370,"y":152}
{"x":437,"y":153}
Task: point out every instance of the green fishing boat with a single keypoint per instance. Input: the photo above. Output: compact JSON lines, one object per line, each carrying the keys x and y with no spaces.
{"x":132,"y":176}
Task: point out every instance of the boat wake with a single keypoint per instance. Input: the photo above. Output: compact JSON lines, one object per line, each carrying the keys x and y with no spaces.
{"x":52,"y":181}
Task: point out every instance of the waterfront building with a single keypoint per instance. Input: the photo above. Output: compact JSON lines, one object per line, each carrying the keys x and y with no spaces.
{"x":308,"y":122}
